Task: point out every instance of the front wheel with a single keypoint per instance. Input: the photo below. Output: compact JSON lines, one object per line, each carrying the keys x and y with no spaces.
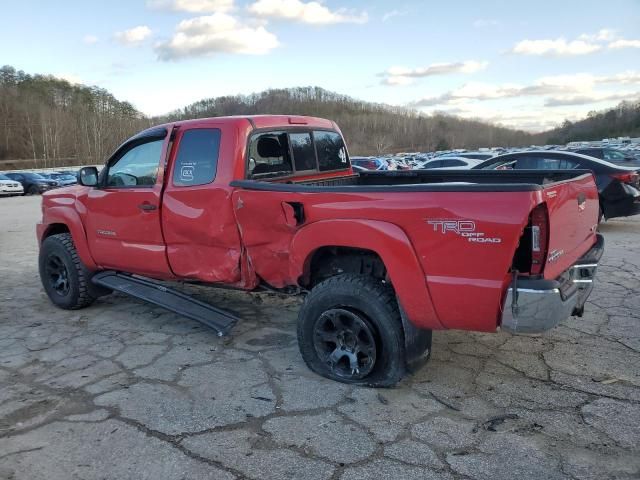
{"x":63,"y":276}
{"x":350,"y":330}
{"x":32,"y":190}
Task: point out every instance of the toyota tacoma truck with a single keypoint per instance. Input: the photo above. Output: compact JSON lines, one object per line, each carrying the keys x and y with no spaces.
{"x":382,"y":258}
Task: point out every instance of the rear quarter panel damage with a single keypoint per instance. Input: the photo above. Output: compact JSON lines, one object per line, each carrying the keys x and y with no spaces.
{"x":443,"y":280}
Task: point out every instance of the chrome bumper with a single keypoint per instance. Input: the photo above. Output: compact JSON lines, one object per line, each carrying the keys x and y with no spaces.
{"x":539,"y":305}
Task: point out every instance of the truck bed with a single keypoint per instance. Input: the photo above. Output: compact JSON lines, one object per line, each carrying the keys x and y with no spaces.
{"x":424,"y":180}
{"x":409,"y":205}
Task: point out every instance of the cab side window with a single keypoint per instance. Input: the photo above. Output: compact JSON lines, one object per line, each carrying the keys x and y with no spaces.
{"x":269,"y":155}
{"x":332,"y":153}
{"x":197,"y":159}
{"x":138,"y":167}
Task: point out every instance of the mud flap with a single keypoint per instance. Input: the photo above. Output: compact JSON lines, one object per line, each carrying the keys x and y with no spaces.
{"x":417,"y":344}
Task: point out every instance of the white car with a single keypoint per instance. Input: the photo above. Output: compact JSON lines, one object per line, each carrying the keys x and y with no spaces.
{"x":9,"y":187}
{"x":450,"y":163}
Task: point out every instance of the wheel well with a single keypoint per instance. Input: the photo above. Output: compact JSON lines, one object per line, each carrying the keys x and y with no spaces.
{"x":56,"y":228}
{"x":330,"y":261}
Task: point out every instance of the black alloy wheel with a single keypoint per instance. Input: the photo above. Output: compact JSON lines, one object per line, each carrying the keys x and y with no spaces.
{"x":345,"y":341}
{"x":57,"y":274}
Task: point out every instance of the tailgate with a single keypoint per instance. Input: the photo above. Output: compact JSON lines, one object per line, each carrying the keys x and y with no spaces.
{"x":572,"y":207}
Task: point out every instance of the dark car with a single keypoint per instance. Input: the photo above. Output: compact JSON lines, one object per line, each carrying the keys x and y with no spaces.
{"x":33,"y":183}
{"x":619,"y":187}
{"x":611,"y":155}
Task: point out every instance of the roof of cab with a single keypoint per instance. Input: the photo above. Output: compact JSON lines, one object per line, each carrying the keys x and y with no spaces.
{"x":257,"y":121}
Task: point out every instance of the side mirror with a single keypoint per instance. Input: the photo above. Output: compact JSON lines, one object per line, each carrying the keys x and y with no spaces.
{"x":88,"y":176}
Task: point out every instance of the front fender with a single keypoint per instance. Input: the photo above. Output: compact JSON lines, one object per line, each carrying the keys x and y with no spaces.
{"x":385,"y":239}
{"x":69,"y":217}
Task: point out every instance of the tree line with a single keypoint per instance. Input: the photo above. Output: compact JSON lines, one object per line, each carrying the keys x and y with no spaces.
{"x":51,"y":122}
{"x":369,"y":128}
{"x":623,"y":120}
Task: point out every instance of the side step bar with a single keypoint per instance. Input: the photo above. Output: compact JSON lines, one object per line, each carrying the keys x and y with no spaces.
{"x":178,"y":302}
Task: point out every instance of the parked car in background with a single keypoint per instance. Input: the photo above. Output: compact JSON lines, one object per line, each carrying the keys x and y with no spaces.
{"x":369,"y":163}
{"x":612,"y":155}
{"x":64,"y":179}
{"x":618,"y":187}
{"x":9,"y":187}
{"x":472,"y":155}
{"x":452,"y":163}
{"x":33,"y":183}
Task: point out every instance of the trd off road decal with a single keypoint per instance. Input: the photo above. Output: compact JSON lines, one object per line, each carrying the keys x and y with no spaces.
{"x":462,"y":228}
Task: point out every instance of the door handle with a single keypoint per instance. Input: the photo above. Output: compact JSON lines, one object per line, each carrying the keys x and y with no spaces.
{"x":147,"y":207}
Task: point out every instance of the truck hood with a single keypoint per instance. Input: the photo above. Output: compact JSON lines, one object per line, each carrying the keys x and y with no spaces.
{"x":64,"y":195}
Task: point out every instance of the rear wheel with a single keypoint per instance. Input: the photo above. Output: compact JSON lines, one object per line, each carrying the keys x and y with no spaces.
{"x":63,"y":276}
{"x":350,"y":330}
{"x":32,"y":190}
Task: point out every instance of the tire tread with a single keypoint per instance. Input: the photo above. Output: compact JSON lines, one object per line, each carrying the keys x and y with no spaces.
{"x":84,"y":297}
{"x":369,"y":287}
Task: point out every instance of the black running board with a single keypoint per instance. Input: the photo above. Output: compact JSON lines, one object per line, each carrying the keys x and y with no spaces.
{"x":180,"y":303}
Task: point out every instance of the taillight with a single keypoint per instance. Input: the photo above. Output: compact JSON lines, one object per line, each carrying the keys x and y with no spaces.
{"x":539,"y":238}
{"x":631,"y":177}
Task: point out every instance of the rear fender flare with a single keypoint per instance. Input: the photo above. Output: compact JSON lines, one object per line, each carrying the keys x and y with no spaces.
{"x":389,"y":242}
{"x":70,"y":218}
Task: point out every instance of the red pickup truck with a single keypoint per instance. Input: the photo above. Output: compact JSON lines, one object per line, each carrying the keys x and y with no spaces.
{"x":383,"y":258}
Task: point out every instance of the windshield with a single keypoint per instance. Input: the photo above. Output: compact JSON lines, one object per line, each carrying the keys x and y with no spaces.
{"x":4,"y":177}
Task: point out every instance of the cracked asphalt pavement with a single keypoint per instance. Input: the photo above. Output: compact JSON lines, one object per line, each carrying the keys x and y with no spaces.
{"x":125,"y":390}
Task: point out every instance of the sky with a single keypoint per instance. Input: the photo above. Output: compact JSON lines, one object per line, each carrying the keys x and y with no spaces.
{"x":521,"y":64}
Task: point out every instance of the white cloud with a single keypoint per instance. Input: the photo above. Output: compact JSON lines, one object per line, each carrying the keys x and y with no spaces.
{"x":603,"y":35}
{"x":405,"y":76}
{"x":625,"y":78}
{"x":522,"y":116}
{"x":589,"y":99}
{"x":571,"y":89}
{"x":583,"y":45}
{"x":397,"y":81}
{"x":193,"y":6}
{"x":134,"y":35}
{"x":625,"y":44}
{"x":557,"y":47}
{"x":217,"y":33}
{"x":485,"y":23}
{"x":313,"y":12}
{"x":394,"y":13}
{"x":90,"y":39}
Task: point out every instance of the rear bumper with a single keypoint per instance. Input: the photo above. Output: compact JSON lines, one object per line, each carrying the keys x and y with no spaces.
{"x":539,"y":305}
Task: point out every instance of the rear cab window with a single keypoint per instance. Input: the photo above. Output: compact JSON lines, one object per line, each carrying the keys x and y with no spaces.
{"x":284,"y":153}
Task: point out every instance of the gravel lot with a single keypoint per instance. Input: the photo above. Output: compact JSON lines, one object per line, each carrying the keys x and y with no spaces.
{"x":124,"y":390}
